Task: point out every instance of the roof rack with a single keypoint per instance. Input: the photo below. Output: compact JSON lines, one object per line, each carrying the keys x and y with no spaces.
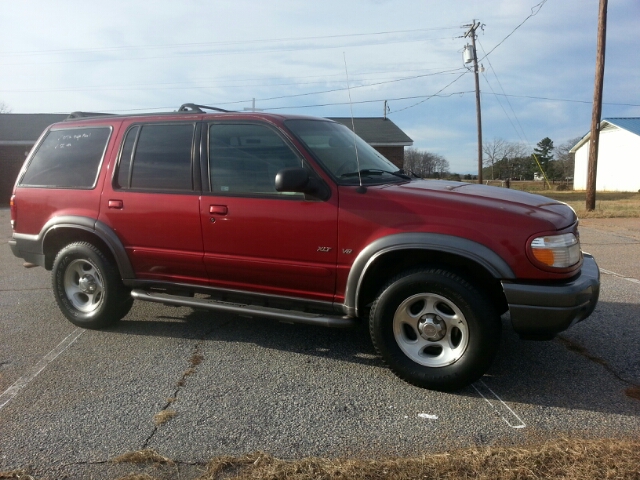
{"x":194,"y":108}
{"x":73,"y":115}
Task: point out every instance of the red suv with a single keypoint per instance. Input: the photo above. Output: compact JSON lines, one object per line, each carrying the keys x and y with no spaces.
{"x":297,"y":219}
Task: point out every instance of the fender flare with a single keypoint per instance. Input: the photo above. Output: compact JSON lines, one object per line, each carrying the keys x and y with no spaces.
{"x":459,"y":246}
{"x":96,"y":227}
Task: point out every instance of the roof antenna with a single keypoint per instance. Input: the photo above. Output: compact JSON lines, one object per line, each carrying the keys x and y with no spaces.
{"x":361,"y":188}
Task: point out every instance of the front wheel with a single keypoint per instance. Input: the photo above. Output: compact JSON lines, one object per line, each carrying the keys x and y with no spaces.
{"x":88,"y":288}
{"x":434,"y":329}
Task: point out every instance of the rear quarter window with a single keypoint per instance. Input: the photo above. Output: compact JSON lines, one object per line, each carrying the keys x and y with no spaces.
{"x":67,"y":158}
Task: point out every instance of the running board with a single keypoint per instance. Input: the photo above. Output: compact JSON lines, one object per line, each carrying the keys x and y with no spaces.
{"x":290,"y":316}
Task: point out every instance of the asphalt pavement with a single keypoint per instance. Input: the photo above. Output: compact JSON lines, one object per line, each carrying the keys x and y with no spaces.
{"x":71,"y":400}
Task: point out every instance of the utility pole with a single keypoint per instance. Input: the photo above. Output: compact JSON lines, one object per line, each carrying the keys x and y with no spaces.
{"x":471,"y":33}
{"x":597,"y":108}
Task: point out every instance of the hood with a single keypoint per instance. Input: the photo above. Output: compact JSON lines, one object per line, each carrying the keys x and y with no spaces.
{"x":502,"y":199}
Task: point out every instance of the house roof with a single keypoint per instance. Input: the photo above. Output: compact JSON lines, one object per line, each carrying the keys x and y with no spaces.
{"x":631,"y":124}
{"x":377,"y":131}
{"x":25,"y":128}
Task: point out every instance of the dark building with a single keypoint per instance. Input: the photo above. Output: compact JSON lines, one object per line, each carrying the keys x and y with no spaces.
{"x":382,"y":134}
{"x":18,"y":133}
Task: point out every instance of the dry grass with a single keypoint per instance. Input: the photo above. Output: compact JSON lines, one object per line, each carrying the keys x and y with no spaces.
{"x":196,"y":359}
{"x":18,"y":474}
{"x":163,"y":416}
{"x":566,"y":459}
{"x":563,"y":459}
{"x":137,"y":476}
{"x":147,"y":455}
{"x":608,"y":204}
{"x":633,"y":392}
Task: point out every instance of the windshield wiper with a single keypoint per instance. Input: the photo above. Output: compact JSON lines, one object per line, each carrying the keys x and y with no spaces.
{"x":375,"y":171}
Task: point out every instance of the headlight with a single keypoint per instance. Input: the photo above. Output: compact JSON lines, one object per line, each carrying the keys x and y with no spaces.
{"x":558,"y":251}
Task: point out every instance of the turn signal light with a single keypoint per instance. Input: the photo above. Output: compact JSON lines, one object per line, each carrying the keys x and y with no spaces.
{"x":557,"y":251}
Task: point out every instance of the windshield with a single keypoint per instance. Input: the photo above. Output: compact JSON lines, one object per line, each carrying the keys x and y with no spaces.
{"x":334,"y":145}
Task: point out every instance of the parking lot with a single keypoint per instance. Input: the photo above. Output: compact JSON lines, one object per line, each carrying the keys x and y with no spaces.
{"x":72,"y":399}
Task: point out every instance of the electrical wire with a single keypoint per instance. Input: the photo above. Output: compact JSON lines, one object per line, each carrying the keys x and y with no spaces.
{"x":213,"y":44}
{"x":507,"y":98}
{"x":431,"y":96}
{"x":534,"y":11}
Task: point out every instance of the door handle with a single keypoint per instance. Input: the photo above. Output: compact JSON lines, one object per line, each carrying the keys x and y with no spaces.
{"x":116,"y":204}
{"x":218,"y":209}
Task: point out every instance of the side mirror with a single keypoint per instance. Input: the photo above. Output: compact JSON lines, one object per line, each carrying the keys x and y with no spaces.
{"x":297,"y":179}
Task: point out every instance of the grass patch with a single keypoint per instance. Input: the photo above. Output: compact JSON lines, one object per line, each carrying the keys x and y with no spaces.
{"x":565,"y":459}
{"x":21,"y":473}
{"x":163,"y":416}
{"x":633,"y":392}
{"x":608,"y":204}
{"x":147,"y":455}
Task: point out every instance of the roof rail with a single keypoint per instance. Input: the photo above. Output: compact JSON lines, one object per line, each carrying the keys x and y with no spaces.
{"x":74,"y":115}
{"x":194,"y":108}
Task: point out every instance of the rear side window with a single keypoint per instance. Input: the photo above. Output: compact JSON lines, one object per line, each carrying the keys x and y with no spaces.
{"x":157,"y":157}
{"x":68,"y":158}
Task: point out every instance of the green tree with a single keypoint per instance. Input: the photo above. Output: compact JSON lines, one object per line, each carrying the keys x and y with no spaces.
{"x":544,"y":153}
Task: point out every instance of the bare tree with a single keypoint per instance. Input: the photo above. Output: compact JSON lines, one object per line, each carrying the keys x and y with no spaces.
{"x":425,"y":164}
{"x":566,"y":159}
{"x":493,"y":151}
{"x":4,"y":108}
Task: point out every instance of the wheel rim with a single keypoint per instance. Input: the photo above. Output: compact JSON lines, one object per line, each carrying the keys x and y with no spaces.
{"x":83,"y":286}
{"x":430,"y":330}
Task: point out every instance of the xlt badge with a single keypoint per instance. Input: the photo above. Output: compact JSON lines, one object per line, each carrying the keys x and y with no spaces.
{"x":324,"y":249}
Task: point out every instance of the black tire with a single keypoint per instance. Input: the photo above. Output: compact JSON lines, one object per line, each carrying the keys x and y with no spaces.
{"x":434,"y":329}
{"x":88,"y":287}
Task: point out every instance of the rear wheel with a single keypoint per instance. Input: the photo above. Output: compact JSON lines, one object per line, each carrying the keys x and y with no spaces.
{"x":434,"y":329}
{"x":88,"y":288}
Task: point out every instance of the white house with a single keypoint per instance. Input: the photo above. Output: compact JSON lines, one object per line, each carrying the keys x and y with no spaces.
{"x":618,"y":157}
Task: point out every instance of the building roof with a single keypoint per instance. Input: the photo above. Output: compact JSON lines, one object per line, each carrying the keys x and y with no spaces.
{"x":631,"y":124}
{"x":25,"y":128}
{"x":377,"y":131}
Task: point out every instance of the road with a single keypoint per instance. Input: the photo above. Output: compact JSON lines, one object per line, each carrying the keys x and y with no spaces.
{"x":71,"y":400}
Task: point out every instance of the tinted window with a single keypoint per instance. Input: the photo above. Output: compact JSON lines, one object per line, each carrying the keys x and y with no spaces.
{"x":124,"y":167}
{"x":68,"y":158}
{"x":244,"y":159}
{"x":162,"y":158}
{"x":345,"y":155}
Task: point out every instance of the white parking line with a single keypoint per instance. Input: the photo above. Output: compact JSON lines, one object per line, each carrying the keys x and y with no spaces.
{"x":499,"y":408}
{"x":628,"y":279}
{"x":23,"y":381}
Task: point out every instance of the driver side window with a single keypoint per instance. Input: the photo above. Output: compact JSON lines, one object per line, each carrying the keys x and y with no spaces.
{"x":245,"y":158}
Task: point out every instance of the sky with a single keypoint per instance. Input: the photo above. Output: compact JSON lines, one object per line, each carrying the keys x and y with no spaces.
{"x":330,"y":58}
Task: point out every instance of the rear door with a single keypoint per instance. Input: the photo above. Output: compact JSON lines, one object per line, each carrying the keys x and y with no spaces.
{"x":153,"y":201}
{"x":255,"y":238}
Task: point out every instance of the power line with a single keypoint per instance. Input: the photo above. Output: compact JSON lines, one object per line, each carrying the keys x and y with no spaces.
{"x":534,"y":11}
{"x":431,"y":96}
{"x":507,"y":98}
{"x":213,"y":44}
{"x":352,"y":88}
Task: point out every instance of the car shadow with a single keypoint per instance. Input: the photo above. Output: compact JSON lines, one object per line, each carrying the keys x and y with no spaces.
{"x":559,"y":373}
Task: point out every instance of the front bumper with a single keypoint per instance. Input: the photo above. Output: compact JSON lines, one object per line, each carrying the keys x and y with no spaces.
{"x":541,"y":311}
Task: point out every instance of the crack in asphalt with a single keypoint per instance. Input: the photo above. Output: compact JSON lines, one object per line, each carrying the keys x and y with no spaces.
{"x":195,"y":359}
{"x":580,"y":350}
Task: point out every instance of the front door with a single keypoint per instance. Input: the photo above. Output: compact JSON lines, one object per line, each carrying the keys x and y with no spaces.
{"x":256,"y":238}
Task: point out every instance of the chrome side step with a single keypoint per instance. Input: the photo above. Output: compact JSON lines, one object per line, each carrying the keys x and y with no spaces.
{"x":291,"y":316}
